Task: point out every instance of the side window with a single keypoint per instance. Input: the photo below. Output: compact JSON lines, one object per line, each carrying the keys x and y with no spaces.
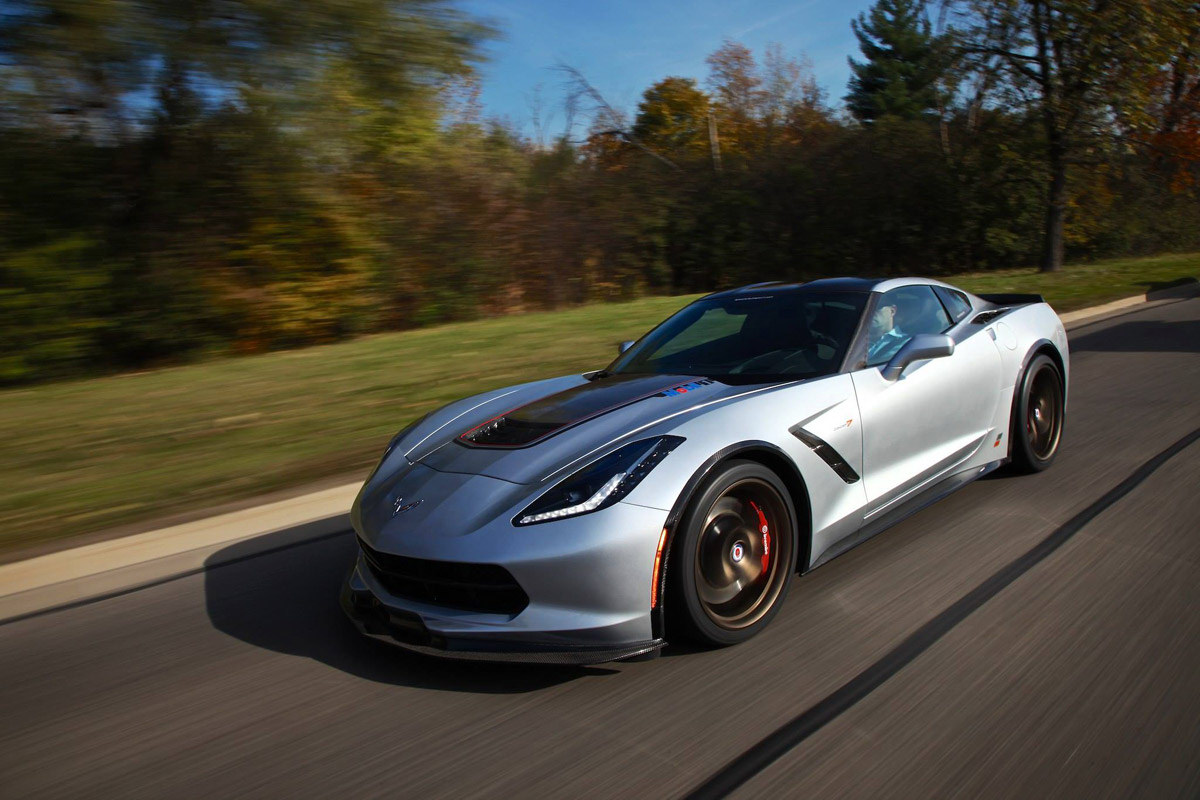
{"x":956,"y":302}
{"x":900,"y":315}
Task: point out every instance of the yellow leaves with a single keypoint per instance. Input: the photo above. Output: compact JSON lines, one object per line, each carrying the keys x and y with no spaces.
{"x":1089,"y":206}
{"x":673,"y":118}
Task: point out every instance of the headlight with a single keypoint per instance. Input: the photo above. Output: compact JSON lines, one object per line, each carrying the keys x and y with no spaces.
{"x":601,"y":483}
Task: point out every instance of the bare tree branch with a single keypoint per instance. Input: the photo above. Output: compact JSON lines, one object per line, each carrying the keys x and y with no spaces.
{"x":580,"y":87}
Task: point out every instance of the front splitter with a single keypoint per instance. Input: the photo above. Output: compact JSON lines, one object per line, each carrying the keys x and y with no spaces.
{"x":408,"y":631}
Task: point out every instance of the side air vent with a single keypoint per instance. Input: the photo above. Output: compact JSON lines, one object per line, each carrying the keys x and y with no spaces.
{"x":984,"y":317}
{"x":826,"y":453}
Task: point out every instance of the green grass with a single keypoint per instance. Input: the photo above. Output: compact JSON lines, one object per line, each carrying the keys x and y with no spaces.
{"x":1082,"y":285}
{"x":85,"y":455}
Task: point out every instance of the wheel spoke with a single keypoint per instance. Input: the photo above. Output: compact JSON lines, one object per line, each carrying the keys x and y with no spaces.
{"x":1043,"y":421}
{"x":735,"y":579}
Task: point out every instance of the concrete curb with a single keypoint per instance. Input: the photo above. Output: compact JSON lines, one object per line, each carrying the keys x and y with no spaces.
{"x":73,"y":576}
{"x":96,"y":570}
{"x":1093,"y":313}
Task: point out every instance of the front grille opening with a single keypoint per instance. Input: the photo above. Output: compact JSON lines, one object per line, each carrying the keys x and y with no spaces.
{"x":488,"y":588}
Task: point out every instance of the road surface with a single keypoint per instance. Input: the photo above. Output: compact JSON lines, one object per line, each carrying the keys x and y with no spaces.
{"x":1074,"y":672}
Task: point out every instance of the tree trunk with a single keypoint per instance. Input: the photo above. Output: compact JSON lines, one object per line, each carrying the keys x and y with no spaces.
{"x":713,"y":142}
{"x":1056,"y":206}
{"x":1049,"y":66}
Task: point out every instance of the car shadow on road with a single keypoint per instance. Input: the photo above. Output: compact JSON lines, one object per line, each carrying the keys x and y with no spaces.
{"x":1142,"y":336}
{"x":286,"y":600}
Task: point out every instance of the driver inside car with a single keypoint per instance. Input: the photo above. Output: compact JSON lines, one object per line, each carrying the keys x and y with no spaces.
{"x":886,"y":338}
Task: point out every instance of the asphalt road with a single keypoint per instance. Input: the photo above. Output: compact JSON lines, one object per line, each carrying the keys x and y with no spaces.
{"x":1078,"y":675}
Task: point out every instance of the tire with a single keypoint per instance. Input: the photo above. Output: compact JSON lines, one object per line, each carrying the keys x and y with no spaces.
{"x":721,"y":540}
{"x":1038,"y":418}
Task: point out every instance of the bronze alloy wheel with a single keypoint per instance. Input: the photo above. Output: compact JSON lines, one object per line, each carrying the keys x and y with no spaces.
{"x":1038,"y":418}
{"x":743,"y":554}
{"x":1043,"y":413}
{"x":733,"y":555}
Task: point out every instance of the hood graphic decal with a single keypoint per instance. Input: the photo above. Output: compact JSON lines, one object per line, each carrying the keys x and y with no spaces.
{"x":540,"y":419}
{"x":684,"y":388}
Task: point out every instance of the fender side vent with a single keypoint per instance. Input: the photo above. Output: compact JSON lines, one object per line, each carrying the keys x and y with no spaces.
{"x":984,"y":317}
{"x":826,"y":453}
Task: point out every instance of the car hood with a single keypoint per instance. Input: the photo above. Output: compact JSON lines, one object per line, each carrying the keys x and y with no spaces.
{"x":531,"y":432}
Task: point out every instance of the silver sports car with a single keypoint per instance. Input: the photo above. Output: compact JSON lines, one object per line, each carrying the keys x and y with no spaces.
{"x":755,"y":434}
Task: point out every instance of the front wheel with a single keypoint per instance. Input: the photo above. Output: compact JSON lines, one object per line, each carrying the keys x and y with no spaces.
{"x":1039,"y":416}
{"x":734,"y":555}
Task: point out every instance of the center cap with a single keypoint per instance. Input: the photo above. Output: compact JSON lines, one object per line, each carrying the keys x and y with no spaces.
{"x":738,"y":552}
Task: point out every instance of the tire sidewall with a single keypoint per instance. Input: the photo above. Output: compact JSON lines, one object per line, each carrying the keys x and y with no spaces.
{"x":685,"y":611}
{"x":1023,"y":457}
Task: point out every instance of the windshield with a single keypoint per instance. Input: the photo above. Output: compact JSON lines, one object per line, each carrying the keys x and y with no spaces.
{"x":783,"y":336}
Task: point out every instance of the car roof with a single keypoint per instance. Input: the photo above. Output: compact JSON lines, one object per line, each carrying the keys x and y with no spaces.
{"x":830,"y":284}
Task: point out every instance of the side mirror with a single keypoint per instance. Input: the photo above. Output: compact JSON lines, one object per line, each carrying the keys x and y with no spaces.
{"x":623,"y":346}
{"x":919,"y":348}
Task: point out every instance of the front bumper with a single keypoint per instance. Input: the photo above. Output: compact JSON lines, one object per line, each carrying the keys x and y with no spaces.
{"x":583,"y":597}
{"x":407,"y":629}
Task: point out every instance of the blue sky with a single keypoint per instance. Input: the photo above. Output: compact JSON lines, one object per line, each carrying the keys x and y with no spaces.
{"x":623,"y":46}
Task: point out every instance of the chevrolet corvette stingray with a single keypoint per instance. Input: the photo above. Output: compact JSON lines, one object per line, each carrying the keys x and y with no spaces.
{"x":746,"y":440}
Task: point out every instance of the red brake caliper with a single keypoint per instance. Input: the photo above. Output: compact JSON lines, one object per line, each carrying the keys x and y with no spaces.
{"x":765,"y":530}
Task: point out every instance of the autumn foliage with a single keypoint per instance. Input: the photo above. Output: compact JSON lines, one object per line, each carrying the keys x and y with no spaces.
{"x":182,"y":180}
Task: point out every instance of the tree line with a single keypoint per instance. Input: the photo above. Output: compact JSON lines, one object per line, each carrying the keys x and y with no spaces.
{"x":184,"y":179}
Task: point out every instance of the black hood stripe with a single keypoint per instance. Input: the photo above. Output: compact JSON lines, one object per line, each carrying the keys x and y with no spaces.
{"x":540,"y":419}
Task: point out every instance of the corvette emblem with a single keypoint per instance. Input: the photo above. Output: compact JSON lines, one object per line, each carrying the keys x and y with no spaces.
{"x":399,"y":506}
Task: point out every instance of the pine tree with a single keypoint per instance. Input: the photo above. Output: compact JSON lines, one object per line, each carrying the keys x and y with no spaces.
{"x":903,"y":62}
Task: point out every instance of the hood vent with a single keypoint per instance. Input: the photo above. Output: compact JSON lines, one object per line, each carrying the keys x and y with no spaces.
{"x":535,"y":421}
{"x":508,"y":432}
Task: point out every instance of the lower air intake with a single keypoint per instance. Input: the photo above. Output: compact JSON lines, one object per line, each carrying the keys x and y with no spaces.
{"x":487,"y":588}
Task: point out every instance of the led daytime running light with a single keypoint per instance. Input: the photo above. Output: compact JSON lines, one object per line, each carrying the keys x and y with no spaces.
{"x":632,"y":463}
{"x":591,"y":504}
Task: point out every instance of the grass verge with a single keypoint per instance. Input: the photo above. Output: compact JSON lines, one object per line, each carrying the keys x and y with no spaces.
{"x":85,"y":455}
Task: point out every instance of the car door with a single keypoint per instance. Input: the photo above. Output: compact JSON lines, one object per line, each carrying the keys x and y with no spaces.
{"x":936,"y":414}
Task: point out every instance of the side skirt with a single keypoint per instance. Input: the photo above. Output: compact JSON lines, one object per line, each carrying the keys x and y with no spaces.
{"x":904,"y":510}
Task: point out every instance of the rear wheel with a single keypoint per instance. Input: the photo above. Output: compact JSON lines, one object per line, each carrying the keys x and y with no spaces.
{"x":734,"y":555}
{"x":1038,"y":421}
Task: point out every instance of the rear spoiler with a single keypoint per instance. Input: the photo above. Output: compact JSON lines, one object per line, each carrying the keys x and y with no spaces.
{"x":1012,"y":299}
